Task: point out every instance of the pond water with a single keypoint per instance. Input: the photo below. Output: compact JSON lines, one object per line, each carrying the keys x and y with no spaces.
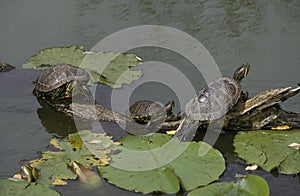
{"x":263,"y":33}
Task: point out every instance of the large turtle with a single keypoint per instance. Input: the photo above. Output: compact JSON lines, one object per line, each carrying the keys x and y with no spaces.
{"x":61,"y":82}
{"x":212,"y":102}
{"x":144,"y":111}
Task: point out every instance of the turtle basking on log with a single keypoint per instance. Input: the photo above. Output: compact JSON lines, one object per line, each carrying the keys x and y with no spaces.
{"x":212,"y":102}
{"x":62,"y":82}
{"x":262,"y":111}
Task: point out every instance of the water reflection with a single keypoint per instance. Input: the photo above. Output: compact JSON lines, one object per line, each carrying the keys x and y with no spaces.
{"x":56,"y":122}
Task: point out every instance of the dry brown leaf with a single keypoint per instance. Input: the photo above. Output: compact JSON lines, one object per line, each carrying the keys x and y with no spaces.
{"x":171,"y":132}
{"x":59,"y":182}
{"x":295,"y":146}
{"x":251,"y":167}
{"x":17,"y":176}
{"x":281,"y":127}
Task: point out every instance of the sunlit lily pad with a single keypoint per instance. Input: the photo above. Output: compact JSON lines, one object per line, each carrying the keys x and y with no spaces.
{"x":57,"y":55}
{"x":21,"y":187}
{"x":156,"y":163}
{"x":270,"y":149}
{"x":250,"y":185}
{"x":55,"y":165}
{"x":109,"y":68}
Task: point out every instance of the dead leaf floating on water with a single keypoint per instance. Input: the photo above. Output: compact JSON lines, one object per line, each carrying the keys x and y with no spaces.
{"x":282,"y":127}
{"x":59,"y":182}
{"x":171,"y":132}
{"x":295,"y":146}
{"x":251,"y":167}
{"x":90,"y":178}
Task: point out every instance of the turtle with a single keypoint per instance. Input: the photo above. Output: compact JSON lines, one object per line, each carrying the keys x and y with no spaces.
{"x":62,"y":81}
{"x":212,"y":102}
{"x":144,"y":111}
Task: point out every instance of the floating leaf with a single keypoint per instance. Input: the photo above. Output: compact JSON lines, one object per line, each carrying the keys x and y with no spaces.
{"x":97,"y":144}
{"x":295,"y":146}
{"x":251,"y":167}
{"x":109,"y":68}
{"x":250,"y":185}
{"x":53,"y":169}
{"x":21,"y":187}
{"x":87,"y":176}
{"x":54,"y":166}
{"x":156,"y":163}
{"x":281,"y":127}
{"x":57,"y":55}
{"x":269,"y":149}
{"x":59,"y":182}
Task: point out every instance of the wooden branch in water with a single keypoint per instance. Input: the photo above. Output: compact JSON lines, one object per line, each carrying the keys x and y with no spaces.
{"x":259,"y":112}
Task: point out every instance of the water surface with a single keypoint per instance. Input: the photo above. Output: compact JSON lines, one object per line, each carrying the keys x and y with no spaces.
{"x":264,"y":33}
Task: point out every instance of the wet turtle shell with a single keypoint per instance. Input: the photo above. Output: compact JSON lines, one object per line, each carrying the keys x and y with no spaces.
{"x":59,"y":75}
{"x":59,"y":79}
{"x":215,"y":100}
{"x":145,"y":110}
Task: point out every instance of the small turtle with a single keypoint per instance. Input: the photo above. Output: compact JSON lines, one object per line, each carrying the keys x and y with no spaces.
{"x":212,"y":102}
{"x":145,"y":111}
{"x":61,"y":82}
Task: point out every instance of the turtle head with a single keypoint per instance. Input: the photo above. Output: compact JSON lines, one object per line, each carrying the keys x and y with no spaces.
{"x":241,"y":72}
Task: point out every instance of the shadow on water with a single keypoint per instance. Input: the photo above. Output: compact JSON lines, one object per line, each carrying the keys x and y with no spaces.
{"x":56,"y":123}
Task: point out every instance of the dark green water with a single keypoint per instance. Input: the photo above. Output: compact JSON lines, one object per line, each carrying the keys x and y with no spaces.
{"x":263,"y":33}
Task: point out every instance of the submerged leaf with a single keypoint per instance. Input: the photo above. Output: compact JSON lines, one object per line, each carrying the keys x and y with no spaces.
{"x":250,"y":185}
{"x":156,"y":163}
{"x":269,"y":149}
{"x":109,"y":68}
{"x":87,"y":176}
{"x":16,"y":187}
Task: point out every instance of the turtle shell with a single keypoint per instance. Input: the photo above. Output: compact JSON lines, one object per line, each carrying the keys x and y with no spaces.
{"x":59,"y":75}
{"x":145,"y":110}
{"x":215,"y":100}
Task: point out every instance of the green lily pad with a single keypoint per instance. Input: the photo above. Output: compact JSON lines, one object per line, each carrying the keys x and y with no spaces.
{"x":21,"y":187}
{"x":54,"y":166}
{"x":54,"y":169}
{"x":250,"y":185}
{"x":269,"y":149}
{"x":57,"y":55}
{"x":109,"y":68}
{"x":158,"y":163}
